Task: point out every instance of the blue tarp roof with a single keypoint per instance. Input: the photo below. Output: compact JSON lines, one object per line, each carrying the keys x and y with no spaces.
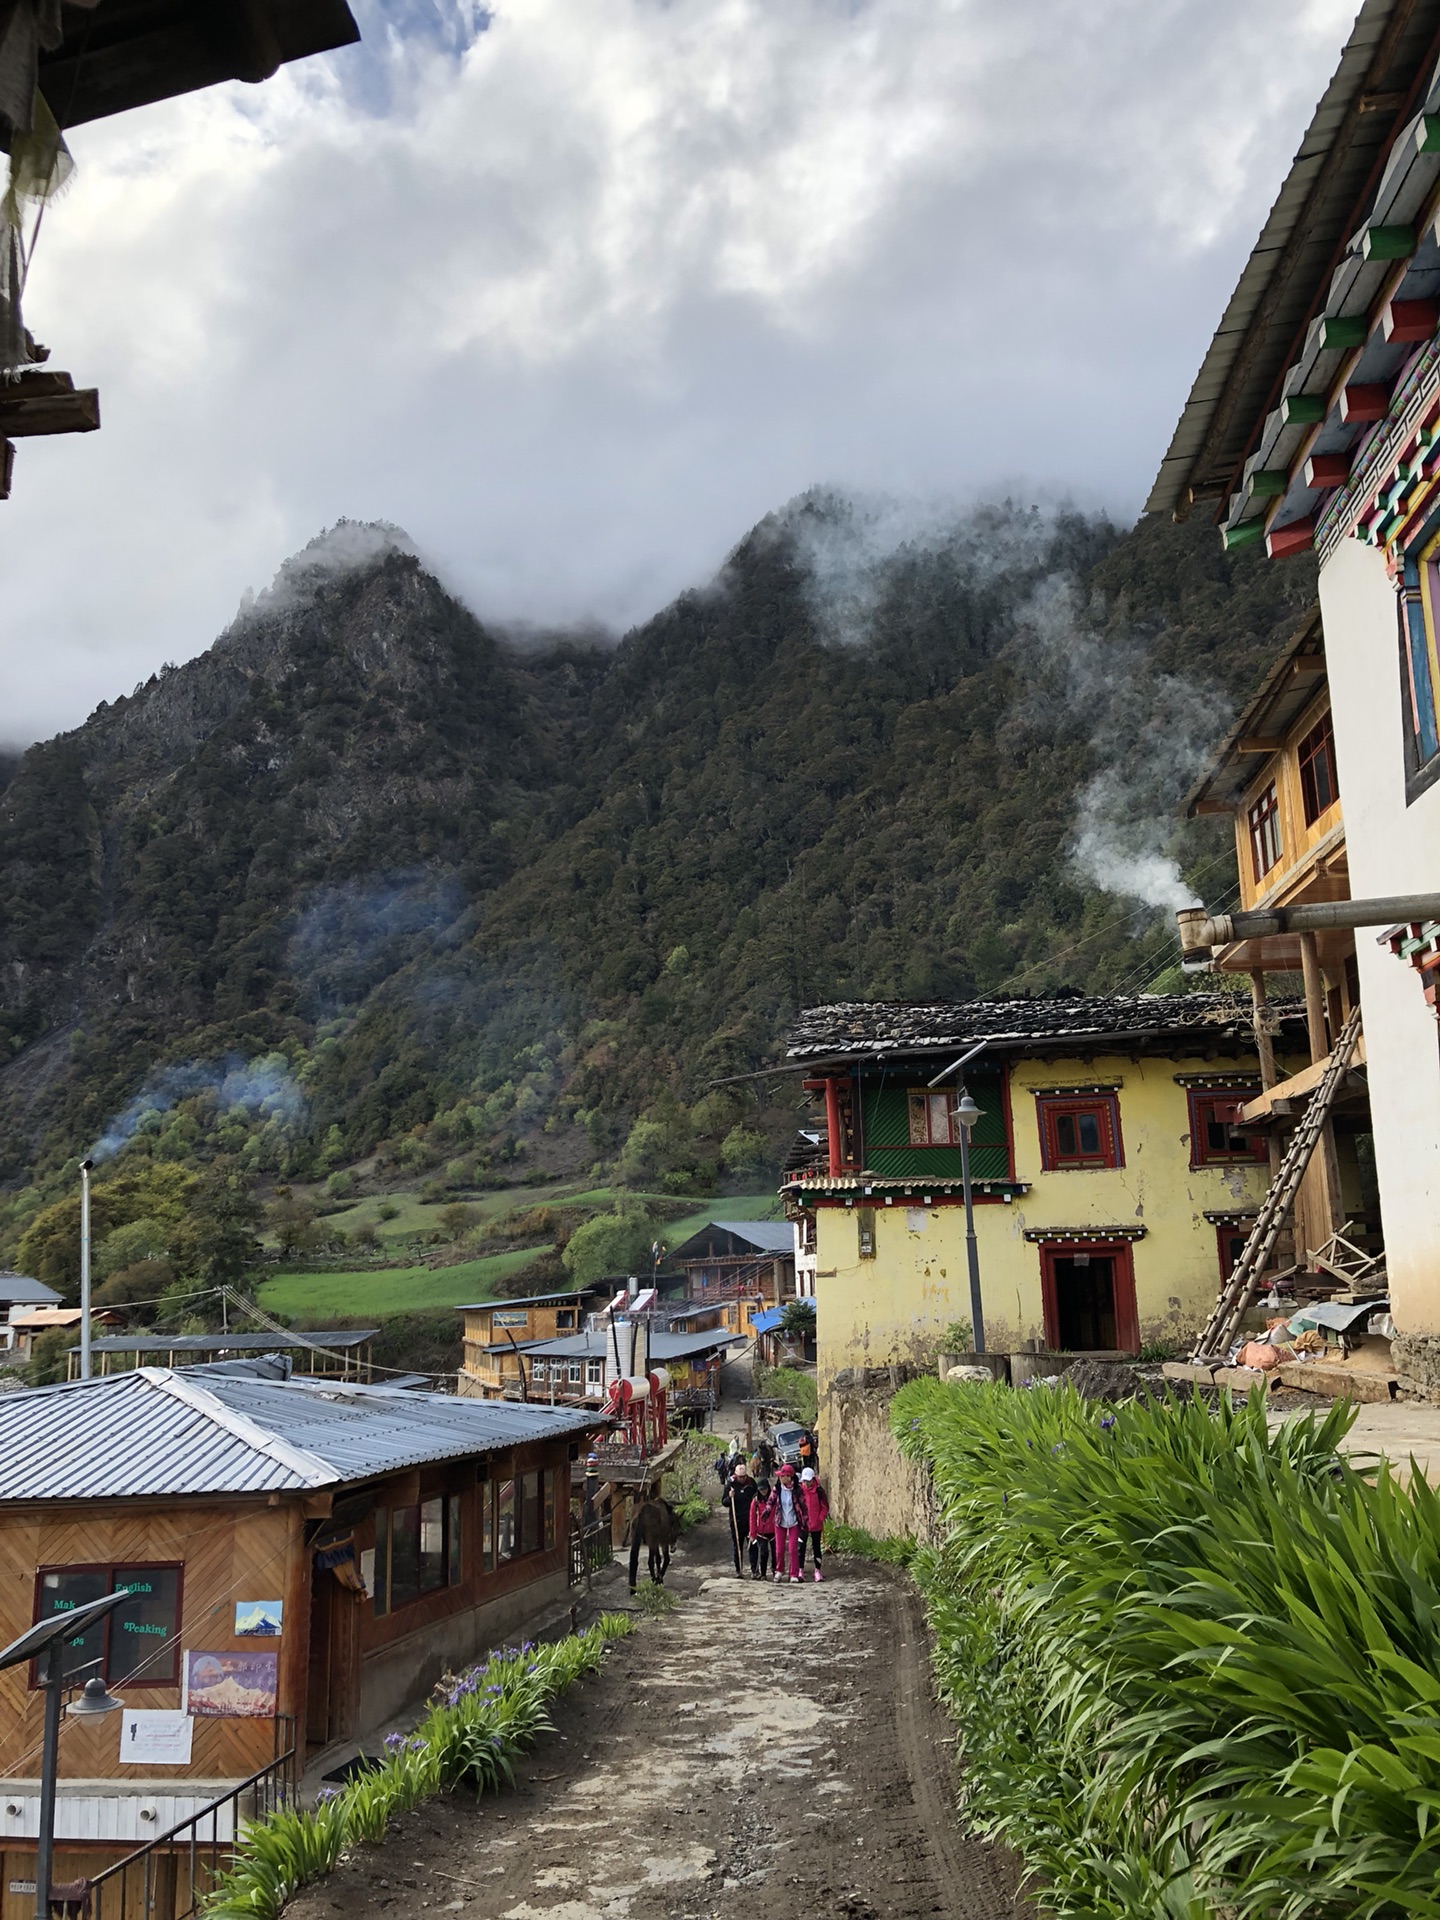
{"x":768,"y":1321}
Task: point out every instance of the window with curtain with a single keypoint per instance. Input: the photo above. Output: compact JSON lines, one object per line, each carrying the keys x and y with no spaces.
{"x":1420,"y":668}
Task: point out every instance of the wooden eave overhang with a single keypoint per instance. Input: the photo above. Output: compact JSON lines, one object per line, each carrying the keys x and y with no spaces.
{"x":1286,"y":691}
{"x":121,"y":54}
{"x":1309,"y":262}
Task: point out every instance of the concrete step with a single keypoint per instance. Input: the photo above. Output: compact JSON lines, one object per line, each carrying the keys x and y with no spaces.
{"x":1338,"y":1382}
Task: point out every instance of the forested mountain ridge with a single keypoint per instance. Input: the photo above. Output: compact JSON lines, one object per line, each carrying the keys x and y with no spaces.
{"x":470,"y":902}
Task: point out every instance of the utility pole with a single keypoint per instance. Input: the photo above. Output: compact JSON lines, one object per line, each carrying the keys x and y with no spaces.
{"x":86,"y":1168}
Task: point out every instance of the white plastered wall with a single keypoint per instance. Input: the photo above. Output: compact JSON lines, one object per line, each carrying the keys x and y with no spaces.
{"x":1392,"y":849}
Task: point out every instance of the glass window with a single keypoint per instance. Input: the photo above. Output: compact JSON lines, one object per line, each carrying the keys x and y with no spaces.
{"x":530,"y":1512}
{"x":487,"y":1527}
{"x":143,"y":1632}
{"x":574,"y":1373}
{"x":1264,"y":818}
{"x":594,"y":1373}
{"x":454,"y":1563}
{"x":1216,"y":1135}
{"x":931,"y":1123}
{"x":404,"y":1556}
{"x":505,"y":1521}
{"x":1079,"y":1131}
{"x":382,"y":1562}
{"x":138,"y":1642}
{"x":62,"y":1590}
{"x":1419,"y":609}
{"x":1319,"y":787}
{"x":432,"y":1545}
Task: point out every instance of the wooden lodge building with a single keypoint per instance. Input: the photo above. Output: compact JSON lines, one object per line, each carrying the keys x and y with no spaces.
{"x":497,"y":1330}
{"x":743,"y":1267}
{"x":306,"y":1557}
{"x":1114,"y":1179}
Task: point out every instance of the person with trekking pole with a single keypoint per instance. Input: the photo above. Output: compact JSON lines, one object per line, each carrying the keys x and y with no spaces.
{"x":739,"y":1497}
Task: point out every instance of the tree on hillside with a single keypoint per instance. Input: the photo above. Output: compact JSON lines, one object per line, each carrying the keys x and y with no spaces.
{"x":49,"y":1249}
{"x":611,"y":1243}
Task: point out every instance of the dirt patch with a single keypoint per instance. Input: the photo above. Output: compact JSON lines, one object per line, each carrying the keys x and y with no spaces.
{"x":768,"y":1752}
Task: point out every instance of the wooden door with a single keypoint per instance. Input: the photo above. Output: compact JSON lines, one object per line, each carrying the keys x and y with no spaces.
{"x":1088,"y":1294}
{"x":332,"y":1692}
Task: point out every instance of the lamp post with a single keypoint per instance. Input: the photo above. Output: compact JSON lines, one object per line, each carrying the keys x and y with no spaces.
{"x":45,"y":1644}
{"x":967,"y":1113}
{"x":86,"y":1167}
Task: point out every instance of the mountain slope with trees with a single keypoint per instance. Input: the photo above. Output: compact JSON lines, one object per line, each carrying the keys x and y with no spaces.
{"x":366,"y":879}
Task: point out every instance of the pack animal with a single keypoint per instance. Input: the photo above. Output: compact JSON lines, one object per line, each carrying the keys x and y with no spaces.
{"x":656,"y":1527}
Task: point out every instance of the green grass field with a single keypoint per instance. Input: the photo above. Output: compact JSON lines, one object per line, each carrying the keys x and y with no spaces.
{"x":390,"y":1289}
{"x":410,"y":1289}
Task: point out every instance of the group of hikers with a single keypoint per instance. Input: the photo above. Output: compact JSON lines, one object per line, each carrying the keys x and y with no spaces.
{"x":776,"y":1511}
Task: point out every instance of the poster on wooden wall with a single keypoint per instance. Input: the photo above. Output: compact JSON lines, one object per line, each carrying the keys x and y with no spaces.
{"x":258,"y":1619}
{"x":231,"y":1686}
{"x":157,"y":1737}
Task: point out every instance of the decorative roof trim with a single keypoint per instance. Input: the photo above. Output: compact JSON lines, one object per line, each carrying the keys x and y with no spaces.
{"x":1065,"y":1093}
{"x":1066,"y":1235}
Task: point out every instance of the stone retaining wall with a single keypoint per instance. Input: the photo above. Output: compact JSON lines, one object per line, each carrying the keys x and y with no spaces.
{"x":870,"y":1482}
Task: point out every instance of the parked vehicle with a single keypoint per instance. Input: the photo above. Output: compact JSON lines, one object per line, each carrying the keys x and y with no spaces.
{"x":785,"y":1439}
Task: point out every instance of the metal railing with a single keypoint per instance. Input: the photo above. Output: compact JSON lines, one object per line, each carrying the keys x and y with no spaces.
{"x":169,"y":1877}
{"x":590,"y":1550}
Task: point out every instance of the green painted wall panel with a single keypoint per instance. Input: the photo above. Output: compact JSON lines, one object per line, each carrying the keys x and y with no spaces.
{"x":885,"y":1114}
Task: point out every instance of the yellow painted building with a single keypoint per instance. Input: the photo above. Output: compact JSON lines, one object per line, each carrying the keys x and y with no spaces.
{"x":1113,"y":1182}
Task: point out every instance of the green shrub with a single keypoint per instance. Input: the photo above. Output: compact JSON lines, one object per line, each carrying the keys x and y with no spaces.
{"x":791,"y":1389}
{"x":893,"y":1552}
{"x":1195,"y":1662}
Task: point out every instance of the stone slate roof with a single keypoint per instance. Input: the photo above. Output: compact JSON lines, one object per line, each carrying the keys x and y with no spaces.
{"x":1062,"y":1022}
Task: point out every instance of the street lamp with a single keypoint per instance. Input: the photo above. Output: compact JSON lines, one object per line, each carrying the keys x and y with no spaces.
{"x":86,"y":1168}
{"x":967,"y":1113}
{"x":45,"y":1645}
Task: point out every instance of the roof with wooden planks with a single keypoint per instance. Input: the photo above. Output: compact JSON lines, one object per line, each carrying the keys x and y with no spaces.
{"x":1063,"y":1023}
{"x":119,"y":54}
{"x":1309,"y":240}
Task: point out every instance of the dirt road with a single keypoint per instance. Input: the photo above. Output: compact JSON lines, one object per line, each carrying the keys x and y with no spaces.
{"x":767,"y":1751}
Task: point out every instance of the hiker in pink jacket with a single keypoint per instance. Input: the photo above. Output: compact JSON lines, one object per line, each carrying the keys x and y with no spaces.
{"x":762,"y":1530}
{"x":814,"y":1507}
{"x":789,"y":1519}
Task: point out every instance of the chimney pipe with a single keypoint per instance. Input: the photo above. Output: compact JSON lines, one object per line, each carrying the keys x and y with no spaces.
{"x":1201,"y":932}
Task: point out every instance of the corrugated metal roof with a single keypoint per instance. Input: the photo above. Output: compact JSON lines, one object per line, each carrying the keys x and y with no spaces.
{"x":152,"y":1432}
{"x":19,"y":1290}
{"x":1389,"y":53}
{"x":773,"y":1236}
{"x":233,"y":1342}
{"x":663,"y":1346}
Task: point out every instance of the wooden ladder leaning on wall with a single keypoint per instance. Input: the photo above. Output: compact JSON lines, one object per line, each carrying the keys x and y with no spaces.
{"x":1239,"y":1290}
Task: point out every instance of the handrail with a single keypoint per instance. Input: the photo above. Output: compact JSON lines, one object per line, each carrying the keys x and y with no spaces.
{"x":272,"y":1785}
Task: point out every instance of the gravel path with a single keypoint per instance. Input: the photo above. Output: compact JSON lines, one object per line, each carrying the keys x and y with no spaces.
{"x":767,"y":1751}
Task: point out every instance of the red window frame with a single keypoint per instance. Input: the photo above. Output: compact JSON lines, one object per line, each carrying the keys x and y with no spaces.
{"x":1053,"y":1109}
{"x":1319,"y":784}
{"x":1265,"y":843}
{"x":1203,"y":1101}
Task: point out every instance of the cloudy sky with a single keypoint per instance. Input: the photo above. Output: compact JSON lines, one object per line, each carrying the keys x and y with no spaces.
{"x":576,"y":290}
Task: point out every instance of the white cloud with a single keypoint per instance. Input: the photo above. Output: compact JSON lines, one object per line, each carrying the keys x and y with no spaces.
{"x":578,"y":302}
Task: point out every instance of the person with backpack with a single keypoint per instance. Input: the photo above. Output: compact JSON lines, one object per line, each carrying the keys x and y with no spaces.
{"x":762,"y":1530}
{"x":814,"y":1510}
{"x":789,"y":1518}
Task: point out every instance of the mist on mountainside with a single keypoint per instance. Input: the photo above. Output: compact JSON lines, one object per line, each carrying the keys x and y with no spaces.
{"x":485,"y":906}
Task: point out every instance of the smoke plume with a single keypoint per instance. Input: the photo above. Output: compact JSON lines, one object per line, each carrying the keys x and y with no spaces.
{"x":261,"y":1087}
{"x":1151,"y":730}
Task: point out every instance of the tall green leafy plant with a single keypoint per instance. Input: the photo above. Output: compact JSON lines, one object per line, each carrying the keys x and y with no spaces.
{"x":1195,"y":1660}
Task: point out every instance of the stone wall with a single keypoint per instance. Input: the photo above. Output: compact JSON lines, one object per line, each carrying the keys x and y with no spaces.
{"x":870,"y":1482}
{"x":1416,"y":1358}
